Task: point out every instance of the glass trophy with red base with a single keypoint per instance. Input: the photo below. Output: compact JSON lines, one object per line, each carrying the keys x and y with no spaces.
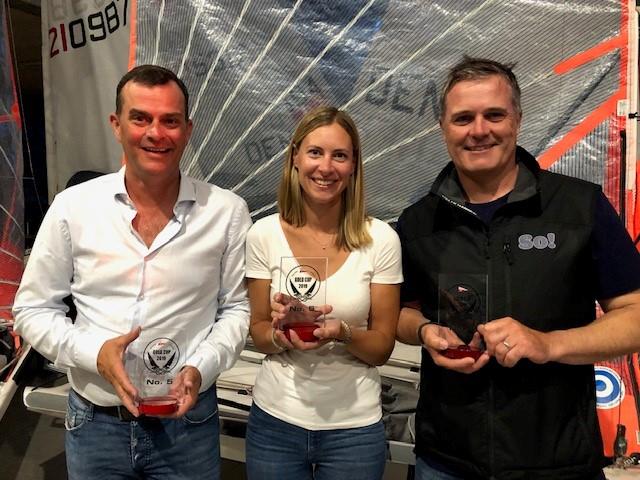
{"x":462,"y":306}
{"x":153,"y":361}
{"x":304,"y":280}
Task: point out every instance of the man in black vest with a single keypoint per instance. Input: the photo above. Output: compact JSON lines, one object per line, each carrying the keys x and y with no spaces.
{"x":511,"y":259}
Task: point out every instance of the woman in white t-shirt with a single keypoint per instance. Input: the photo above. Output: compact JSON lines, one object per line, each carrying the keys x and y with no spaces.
{"x":316,"y":411}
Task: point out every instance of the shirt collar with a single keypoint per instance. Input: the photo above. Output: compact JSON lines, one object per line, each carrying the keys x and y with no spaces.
{"x":186,"y":192}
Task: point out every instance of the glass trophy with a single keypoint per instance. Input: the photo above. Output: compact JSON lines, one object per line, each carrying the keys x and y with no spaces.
{"x":462,"y":306}
{"x":304,"y":280}
{"x":152,"y":362}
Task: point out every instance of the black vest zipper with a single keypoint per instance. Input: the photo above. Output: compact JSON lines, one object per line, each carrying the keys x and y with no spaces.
{"x":508,"y":254}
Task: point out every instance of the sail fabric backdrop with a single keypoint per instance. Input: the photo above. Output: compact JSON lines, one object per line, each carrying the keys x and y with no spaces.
{"x":253,"y":67}
{"x":85,"y":51}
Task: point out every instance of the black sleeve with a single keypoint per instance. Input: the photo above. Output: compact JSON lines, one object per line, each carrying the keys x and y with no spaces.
{"x":616,"y":259}
{"x":409,"y":289}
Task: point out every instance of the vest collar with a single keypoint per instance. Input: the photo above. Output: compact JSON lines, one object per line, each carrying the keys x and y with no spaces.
{"x":448,"y":186}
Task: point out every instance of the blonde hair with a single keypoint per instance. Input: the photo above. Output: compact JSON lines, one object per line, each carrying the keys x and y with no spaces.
{"x":352,"y":230}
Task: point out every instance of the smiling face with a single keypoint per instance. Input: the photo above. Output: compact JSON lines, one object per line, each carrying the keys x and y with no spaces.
{"x":153,"y":129}
{"x":325,"y":163}
{"x":480,"y":126}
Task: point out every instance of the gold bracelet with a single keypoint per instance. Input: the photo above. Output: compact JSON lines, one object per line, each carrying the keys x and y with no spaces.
{"x":419,"y":331}
{"x":275,"y":343}
{"x":344,"y":326}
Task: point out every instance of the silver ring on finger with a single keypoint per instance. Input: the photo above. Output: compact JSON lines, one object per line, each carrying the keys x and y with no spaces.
{"x":506,"y":344}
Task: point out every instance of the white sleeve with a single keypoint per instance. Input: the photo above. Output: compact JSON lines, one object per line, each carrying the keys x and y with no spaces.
{"x":388,"y":256}
{"x":258,"y":252}
{"x":223,"y":345}
{"x":39,"y":310}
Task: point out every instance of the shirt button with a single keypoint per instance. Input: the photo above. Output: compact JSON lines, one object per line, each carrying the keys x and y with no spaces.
{"x":141,"y":297}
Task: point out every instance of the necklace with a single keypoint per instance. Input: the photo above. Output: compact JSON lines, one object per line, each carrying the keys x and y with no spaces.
{"x":323,"y":246}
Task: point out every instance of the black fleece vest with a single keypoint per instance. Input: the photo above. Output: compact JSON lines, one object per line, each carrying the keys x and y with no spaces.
{"x":530,"y":421}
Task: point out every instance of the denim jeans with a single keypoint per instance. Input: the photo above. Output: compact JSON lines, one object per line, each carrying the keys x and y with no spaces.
{"x":277,"y":450}
{"x":424,"y":471}
{"x":99,"y":446}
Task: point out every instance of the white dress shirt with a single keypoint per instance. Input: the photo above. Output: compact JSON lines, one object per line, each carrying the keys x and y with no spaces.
{"x":190,"y":279}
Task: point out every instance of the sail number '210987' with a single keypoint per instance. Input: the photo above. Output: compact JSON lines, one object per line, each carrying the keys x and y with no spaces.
{"x":94,"y":27}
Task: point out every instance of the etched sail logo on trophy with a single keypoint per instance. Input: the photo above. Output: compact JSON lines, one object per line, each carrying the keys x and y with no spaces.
{"x":152,"y":362}
{"x":304,"y":280}
{"x":462,"y":306}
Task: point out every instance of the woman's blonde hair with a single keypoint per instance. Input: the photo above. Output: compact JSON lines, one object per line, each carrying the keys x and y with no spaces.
{"x":352,"y":231}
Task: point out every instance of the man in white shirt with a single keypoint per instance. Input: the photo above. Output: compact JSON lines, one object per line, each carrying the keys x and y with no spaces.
{"x":142,"y":250}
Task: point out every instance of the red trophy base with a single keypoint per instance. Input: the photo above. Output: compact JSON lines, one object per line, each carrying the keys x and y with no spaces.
{"x":158,"y":405}
{"x":462,"y":351}
{"x":304,"y":330}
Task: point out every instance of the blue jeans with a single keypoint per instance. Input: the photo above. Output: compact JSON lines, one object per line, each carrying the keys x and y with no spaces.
{"x":424,"y":471}
{"x":99,"y":446}
{"x":277,"y":450}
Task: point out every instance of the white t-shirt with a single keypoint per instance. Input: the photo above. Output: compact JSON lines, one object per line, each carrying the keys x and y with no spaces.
{"x":326,"y":388}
